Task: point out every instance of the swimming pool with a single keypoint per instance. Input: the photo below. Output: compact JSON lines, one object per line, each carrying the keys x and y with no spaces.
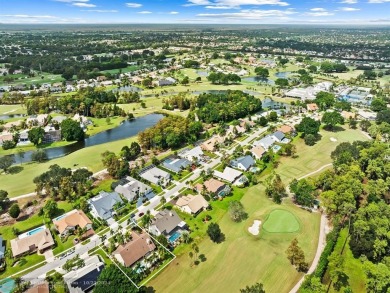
{"x":60,"y":217}
{"x":174,"y":237}
{"x":36,"y":230}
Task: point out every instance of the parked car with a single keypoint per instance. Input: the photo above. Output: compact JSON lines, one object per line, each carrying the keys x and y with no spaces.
{"x":141,"y":214}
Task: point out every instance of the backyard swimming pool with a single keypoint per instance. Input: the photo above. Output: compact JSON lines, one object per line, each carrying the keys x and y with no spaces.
{"x":174,"y":237}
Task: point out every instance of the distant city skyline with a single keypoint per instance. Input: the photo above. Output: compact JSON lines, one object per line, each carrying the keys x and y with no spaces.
{"x":343,"y":12}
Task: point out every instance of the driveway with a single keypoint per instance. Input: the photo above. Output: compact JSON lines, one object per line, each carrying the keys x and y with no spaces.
{"x":49,"y":256}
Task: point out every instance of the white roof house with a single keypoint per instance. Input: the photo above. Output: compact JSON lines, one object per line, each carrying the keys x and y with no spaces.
{"x":132,"y":188}
{"x":155,"y":175}
{"x":229,"y":174}
{"x":189,"y":154}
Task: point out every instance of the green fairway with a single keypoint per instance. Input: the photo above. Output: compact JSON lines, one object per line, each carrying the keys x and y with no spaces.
{"x":281,"y":221}
{"x":12,"y":109}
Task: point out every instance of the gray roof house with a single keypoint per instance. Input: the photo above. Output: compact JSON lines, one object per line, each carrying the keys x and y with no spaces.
{"x":243,"y":163}
{"x":229,"y":174}
{"x":265,"y":142}
{"x":175,"y":164}
{"x":155,"y":175}
{"x":132,"y":188}
{"x":278,"y":136}
{"x":190,"y":154}
{"x":166,"y":222}
{"x":102,"y":205}
{"x":2,"y":248}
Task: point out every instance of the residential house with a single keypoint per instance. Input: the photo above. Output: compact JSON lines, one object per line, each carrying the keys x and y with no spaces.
{"x":278,"y":136}
{"x":166,"y":81}
{"x":59,"y":119}
{"x":229,"y":174}
{"x":258,"y":152}
{"x":266,"y":142}
{"x":166,"y":222}
{"x":192,"y":204}
{"x":102,"y":205}
{"x":138,"y":248}
{"x":5,"y":137}
{"x":132,"y":188}
{"x":85,"y":278}
{"x":348,"y":115}
{"x":51,"y":134}
{"x":243,"y":163}
{"x":41,"y":287}
{"x":155,"y":175}
{"x":190,"y":154}
{"x":69,"y":222}
{"x":37,"y":120}
{"x":214,"y":186}
{"x":367,"y":115}
{"x":312,"y":107}
{"x":176,"y":164}
{"x":212,"y":143}
{"x":286,"y":129}
{"x":38,"y":239}
{"x":14,"y":124}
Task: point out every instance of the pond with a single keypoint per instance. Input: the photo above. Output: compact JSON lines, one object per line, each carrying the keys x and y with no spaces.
{"x":9,"y":116}
{"x":128,"y":88}
{"x":125,"y":130}
{"x":271,"y":104}
{"x":202,"y":73}
{"x":283,"y":74}
{"x":258,"y":79}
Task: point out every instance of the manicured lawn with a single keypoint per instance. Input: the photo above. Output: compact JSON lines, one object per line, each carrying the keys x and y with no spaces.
{"x":31,"y":147}
{"x":311,"y":158}
{"x":62,"y":246}
{"x":281,"y":221}
{"x":88,"y":157}
{"x":103,"y":256}
{"x":100,"y":124}
{"x":12,"y":109}
{"x":31,"y":259}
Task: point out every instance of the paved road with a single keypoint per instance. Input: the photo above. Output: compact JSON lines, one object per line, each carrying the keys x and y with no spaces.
{"x":320,"y":249}
{"x":40,"y":273}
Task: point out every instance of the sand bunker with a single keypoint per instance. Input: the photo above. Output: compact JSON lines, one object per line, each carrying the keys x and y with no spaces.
{"x":333,"y":139}
{"x":255,"y":228}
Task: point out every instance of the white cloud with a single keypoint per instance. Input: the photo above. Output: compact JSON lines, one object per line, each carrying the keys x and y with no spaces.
{"x":349,"y":9}
{"x":144,"y":12}
{"x":28,"y":16}
{"x":318,"y":9}
{"x":349,"y":1}
{"x":173,"y":12}
{"x":83,"y":4}
{"x":231,"y":4}
{"x":133,"y":5}
{"x":250,"y":14}
{"x":320,"y":13}
{"x":378,"y":1}
{"x":71,"y":1}
{"x":101,"y":10}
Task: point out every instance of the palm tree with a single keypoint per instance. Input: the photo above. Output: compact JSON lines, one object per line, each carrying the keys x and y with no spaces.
{"x":186,"y":236}
{"x":191,"y":255}
{"x":163,"y":200}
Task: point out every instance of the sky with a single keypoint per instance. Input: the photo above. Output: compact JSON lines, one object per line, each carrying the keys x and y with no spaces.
{"x":347,"y":12}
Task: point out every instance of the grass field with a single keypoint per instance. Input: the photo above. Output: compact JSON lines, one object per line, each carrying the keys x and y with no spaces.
{"x":24,"y":79}
{"x":12,"y":109}
{"x":87,"y":157}
{"x":281,"y":221}
{"x":100,"y":124}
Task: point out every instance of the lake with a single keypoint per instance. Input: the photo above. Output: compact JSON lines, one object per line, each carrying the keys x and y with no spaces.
{"x":283,"y":74}
{"x":125,"y":130}
{"x":128,"y":88}
{"x":258,"y":79}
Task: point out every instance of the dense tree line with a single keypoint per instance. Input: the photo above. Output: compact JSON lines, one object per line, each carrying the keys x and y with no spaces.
{"x":226,"y":106}
{"x":88,"y":102}
{"x":62,"y":183}
{"x":170,"y":132}
{"x":179,"y":101}
{"x":222,"y":78}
